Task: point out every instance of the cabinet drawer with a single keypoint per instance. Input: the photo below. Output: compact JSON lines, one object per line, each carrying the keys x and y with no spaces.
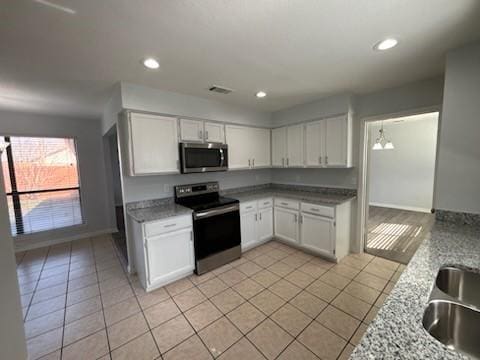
{"x":265,"y":203}
{"x":289,"y":204}
{"x":327,"y":211}
{"x":248,"y":206}
{"x":171,"y":224}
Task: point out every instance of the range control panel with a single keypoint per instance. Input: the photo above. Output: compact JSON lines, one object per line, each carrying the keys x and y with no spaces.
{"x":196,"y":189}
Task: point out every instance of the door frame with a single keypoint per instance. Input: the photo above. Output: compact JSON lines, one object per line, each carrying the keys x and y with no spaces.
{"x":363,"y":164}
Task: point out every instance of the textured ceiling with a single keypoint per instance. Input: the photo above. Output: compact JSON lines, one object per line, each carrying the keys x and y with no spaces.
{"x":298,"y":50}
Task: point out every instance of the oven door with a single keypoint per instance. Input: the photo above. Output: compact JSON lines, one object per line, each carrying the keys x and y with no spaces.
{"x":216,"y":230}
{"x":197,"y":158}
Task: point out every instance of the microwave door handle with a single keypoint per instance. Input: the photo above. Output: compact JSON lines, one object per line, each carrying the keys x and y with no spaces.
{"x":222,"y":158}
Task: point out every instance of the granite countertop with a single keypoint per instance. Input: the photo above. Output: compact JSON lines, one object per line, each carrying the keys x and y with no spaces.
{"x":158,"y":212}
{"x":397,"y":331}
{"x":307,"y":196}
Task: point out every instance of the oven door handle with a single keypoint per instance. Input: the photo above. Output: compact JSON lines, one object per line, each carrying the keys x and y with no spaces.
{"x":222,"y":158}
{"x":217,"y":211}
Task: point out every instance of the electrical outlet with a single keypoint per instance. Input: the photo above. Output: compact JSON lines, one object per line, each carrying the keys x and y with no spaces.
{"x":166,"y":188}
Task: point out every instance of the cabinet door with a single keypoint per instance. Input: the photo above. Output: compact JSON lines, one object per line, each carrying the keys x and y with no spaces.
{"x":265,"y":224}
{"x":154,"y":144}
{"x":191,"y":130}
{"x":214,"y":132}
{"x":336,"y":139}
{"x":248,"y":226}
{"x":314,"y":144}
{"x":239,"y":146}
{"x":295,"y":146}
{"x":286,"y":224}
{"x":279,"y":147}
{"x":318,"y":233}
{"x":260,"y":156}
{"x":169,"y":255}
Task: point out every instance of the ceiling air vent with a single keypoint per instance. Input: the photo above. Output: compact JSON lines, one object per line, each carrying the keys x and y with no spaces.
{"x":220,"y":89}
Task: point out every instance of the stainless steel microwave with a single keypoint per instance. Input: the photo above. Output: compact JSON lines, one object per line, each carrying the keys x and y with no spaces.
{"x":197,"y":158}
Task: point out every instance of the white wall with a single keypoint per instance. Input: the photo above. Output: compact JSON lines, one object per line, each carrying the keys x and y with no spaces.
{"x":12,"y":335}
{"x":458,"y":170}
{"x":91,"y":168}
{"x":404,"y":177}
{"x":327,"y":107}
{"x":156,"y":187}
{"x":416,"y":95}
{"x":137,"y":97}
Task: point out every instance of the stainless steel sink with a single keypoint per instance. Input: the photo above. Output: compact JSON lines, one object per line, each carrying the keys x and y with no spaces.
{"x":460,"y":284}
{"x":452,"y":315}
{"x":454,"y":325}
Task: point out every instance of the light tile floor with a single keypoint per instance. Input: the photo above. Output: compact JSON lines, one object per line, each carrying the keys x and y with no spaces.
{"x":275,"y":302}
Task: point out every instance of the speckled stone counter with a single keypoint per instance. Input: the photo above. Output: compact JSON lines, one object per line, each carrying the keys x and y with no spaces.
{"x":397,"y":331}
{"x":307,"y":196}
{"x":157,"y":212}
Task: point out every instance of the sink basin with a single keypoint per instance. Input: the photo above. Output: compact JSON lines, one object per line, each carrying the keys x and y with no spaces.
{"x":460,"y":284}
{"x":454,"y":325}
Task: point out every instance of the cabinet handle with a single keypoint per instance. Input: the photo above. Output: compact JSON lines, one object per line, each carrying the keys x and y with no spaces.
{"x":249,"y":165}
{"x":260,"y":215}
{"x":200,"y":134}
{"x":266,"y":203}
{"x":287,"y":161}
{"x":256,"y":217}
{"x":283,"y":161}
{"x":313,"y":209}
{"x":169,"y":225}
{"x":253,"y":162}
{"x":320,"y":160}
{"x":206,"y":135}
{"x":296,"y":218}
{"x":326,"y":160}
{"x":301,"y":219}
{"x":284,"y":203}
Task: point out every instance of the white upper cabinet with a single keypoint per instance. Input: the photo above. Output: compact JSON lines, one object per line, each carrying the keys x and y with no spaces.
{"x":328,"y":143}
{"x":152,"y":144}
{"x":214,"y":132}
{"x":315,"y":144}
{"x":191,"y":130}
{"x":338,"y":142}
{"x":248,"y":147}
{"x":260,"y":147}
{"x":295,"y":146}
{"x":279,"y":146}
{"x":200,"y":131}
{"x":238,"y":141}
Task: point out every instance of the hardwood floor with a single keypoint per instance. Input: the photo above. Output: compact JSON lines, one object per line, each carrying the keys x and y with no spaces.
{"x":396,"y":234}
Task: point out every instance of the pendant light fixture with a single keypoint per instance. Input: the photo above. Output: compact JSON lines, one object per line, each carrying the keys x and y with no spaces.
{"x":381,"y":143}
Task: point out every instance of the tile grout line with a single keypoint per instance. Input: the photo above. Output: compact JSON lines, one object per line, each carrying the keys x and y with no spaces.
{"x":65,"y":308}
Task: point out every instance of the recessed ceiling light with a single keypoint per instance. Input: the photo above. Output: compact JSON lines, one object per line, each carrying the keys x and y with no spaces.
{"x":151,"y":63}
{"x":261,"y":94}
{"x":386,"y":44}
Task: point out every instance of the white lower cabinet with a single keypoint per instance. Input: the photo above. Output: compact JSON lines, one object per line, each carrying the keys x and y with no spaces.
{"x":163,"y":250}
{"x":248,"y":226}
{"x":256,"y":222}
{"x":317,"y":233}
{"x":265,"y":224}
{"x":286,"y":224}
{"x":322,"y":229}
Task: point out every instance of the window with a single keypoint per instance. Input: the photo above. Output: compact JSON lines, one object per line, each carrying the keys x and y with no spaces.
{"x":42,"y":183}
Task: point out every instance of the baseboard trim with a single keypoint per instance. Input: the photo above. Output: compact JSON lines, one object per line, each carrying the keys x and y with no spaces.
{"x":40,"y":244}
{"x":399,"y":207}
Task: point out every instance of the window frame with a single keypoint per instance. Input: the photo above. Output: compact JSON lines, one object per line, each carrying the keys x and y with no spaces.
{"x":11,"y":166}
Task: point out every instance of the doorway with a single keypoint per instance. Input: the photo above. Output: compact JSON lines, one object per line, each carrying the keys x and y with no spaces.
{"x":114,"y":173}
{"x":400,"y":175}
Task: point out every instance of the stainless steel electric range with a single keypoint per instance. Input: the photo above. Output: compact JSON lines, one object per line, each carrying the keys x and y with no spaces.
{"x":216,"y":224}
